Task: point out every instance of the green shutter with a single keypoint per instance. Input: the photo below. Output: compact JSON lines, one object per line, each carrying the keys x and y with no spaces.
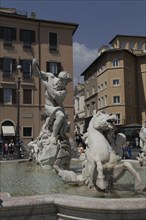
{"x":13,"y":33}
{"x":1,"y":63}
{"x":14,"y":96}
{"x":1,"y":95}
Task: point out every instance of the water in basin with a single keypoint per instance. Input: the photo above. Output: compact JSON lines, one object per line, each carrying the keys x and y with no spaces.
{"x":27,"y":178}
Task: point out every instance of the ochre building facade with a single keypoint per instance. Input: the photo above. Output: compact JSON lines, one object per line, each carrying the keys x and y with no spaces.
{"x":116,"y":81}
{"x":22,"y":94}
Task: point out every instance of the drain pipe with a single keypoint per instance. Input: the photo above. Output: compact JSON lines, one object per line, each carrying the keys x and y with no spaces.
{"x":39,"y":54}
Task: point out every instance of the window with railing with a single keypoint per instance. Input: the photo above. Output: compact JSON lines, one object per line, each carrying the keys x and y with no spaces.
{"x":7,"y":66}
{"x":26,"y":69}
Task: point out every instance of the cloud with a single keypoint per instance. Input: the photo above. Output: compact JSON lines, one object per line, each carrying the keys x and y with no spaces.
{"x":82,"y":58}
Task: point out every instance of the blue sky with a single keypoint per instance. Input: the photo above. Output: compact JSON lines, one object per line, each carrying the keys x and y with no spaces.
{"x":99,"y":21}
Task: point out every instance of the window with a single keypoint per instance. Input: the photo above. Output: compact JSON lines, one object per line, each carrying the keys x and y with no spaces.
{"x":7,"y":96}
{"x":116,"y":82}
{"x":105,"y":100}
{"x":8,"y":34}
{"x":27,"y":131}
{"x":88,"y":110}
{"x":139,"y":45}
{"x":26,"y":68}
{"x":118,"y":118}
{"x":102,"y":102}
{"x":27,"y":96}
{"x":105,"y":84}
{"x":123,"y":44}
{"x":93,"y":108}
{"x":115,"y":62}
{"x":98,"y":89}
{"x":93,"y":90}
{"x":116,"y":99}
{"x":99,"y":104}
{"x":53,"y":41}
{"x":7,"y":65}
{"x":131,"y":45}
{"x":54,"y":67}
{"x":87,"y":93}
{"x":27,"y":37}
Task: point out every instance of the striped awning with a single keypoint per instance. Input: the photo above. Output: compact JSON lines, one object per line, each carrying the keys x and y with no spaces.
{"x":8,"y":130}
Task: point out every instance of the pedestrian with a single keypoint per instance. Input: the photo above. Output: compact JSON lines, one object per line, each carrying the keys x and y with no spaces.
{"x":5,"y":150}
{"x":126,"y":151}
{"x":11,"y":149}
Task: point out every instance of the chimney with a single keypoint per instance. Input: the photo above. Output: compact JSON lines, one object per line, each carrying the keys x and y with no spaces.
{"x":33,"y":14}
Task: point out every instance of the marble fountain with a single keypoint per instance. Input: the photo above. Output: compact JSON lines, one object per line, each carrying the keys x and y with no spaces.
{"x":52,"y":185}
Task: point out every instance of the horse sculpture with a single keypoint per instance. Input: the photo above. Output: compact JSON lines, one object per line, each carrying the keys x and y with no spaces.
{"x":102,"y":161}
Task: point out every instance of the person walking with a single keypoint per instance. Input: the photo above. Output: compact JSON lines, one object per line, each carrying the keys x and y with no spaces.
{"x":11,"y":149}
{"x":5,"y":150}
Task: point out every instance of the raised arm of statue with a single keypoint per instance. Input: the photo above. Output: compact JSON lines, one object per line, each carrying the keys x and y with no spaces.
{"x":35,"y":68}
{"x":39,"y":73}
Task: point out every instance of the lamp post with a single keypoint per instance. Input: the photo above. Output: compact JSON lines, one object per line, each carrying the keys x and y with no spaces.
{"x":18,"y":144}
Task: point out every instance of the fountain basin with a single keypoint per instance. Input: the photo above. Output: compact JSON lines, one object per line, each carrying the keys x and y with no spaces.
{"x":66,"y":207}
{"x":30,"y":199}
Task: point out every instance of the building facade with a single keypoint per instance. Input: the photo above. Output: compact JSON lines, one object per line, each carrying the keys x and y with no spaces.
{"x":79,"y":108}
{"x":116,"y":81}
{"x":22,"y":94}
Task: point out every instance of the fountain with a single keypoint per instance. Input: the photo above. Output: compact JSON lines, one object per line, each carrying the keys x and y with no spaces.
{"x":98,"y":187}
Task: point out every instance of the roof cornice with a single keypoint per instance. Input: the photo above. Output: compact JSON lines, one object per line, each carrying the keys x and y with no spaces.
{"x":22,"y":17}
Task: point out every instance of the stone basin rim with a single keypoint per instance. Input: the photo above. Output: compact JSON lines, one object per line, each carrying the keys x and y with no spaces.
{"x":75,"y":202}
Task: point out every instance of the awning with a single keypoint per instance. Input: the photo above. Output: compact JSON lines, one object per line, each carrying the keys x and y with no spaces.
{"x":8,"y":131}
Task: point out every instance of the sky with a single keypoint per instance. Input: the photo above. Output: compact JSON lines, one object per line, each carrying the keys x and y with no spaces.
{"x":99,"y":22}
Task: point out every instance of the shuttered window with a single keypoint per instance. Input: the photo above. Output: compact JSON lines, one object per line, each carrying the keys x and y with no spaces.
{"x":27,"y":96}
{"x":26,"y":68}
{"x":7,"y":66}
{"x":27,"y":37}
{"x":8,"y":34}
{"x":53,"y":41}
{"x":54,"y":67}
